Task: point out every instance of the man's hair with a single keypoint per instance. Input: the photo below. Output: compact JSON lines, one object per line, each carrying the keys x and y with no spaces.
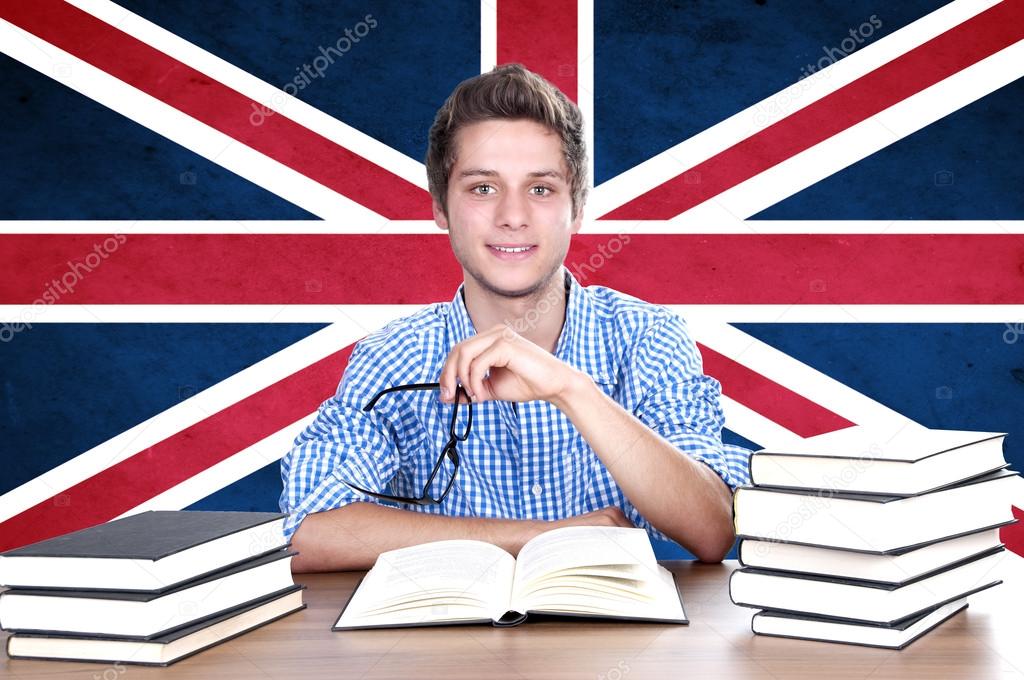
{"x":509,"y":91}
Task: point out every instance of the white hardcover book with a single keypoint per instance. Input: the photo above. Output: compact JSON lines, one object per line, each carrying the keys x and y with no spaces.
{"x":781,"y":624}
{"x":861,"y":601}
{"x":860,"y":459}
{"x":894,"y":567}
{"x":874,"y":523}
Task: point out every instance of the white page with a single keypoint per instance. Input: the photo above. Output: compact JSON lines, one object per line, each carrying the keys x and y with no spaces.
{"x":425,"y":577}
{"x":660,"y":600}
{"x":570,"y":547}
{"x":582,"y":570}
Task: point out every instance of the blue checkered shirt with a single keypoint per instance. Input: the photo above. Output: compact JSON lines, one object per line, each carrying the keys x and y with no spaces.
{"x":522,"y":461}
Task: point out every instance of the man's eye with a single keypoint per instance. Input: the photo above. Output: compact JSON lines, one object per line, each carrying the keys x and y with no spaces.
{"x":488,"y":187}
{"x":544,"y":191}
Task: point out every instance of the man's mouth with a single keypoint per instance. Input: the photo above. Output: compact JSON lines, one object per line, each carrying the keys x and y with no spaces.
{"x":511,"y":251}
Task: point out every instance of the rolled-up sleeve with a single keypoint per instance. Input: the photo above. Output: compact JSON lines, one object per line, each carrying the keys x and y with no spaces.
{"x":682,"y":404}
{"x":342,"y":443}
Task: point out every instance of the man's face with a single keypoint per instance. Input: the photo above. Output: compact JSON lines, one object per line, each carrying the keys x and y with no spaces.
{"x":509,"y":189}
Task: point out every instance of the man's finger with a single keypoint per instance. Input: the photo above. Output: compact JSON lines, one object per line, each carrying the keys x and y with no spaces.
{"x":480,"y":366}
{"x":469,"y":352}
{"x":447,"y":379}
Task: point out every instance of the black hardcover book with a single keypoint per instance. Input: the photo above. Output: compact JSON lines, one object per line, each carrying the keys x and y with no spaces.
{"x":140,"y":615}
{"x":151,"y":551}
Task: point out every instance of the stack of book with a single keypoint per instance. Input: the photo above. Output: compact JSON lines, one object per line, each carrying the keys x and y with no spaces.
{"x":150,"y":588}
{"x":864,"y":538}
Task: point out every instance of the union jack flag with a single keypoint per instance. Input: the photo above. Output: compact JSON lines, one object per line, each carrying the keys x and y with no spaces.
{"x":205,"y":205}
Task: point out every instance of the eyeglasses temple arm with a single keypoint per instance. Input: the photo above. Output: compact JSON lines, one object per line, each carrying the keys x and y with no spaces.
{"x":400,"y":388}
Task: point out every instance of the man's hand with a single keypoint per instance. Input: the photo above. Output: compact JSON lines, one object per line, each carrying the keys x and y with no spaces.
{"x":610,"y":516}
{"x":501,"y":364}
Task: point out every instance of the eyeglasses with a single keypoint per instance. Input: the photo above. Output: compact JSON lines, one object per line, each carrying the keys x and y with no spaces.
{"x":449,"y":451}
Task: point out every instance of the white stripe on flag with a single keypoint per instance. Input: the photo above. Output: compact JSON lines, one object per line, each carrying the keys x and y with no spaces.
{"x":226,"y":472}
{"x":488,"y":35}
{"x":670,"y":163}
{"x":751,"y":425}
{"x":198,"y":137}
{"x":258,"y":90}
{"x":795,"y":375}
{"x":659,"y":227}
{"x":585,"y":79}
{"x":376,"y":316}
{"x":274,"y":368}
{"x":859,"y":141}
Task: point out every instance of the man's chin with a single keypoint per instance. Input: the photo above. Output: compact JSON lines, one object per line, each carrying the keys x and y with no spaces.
{"x":512,"y":293}
{"x":513,"y":289}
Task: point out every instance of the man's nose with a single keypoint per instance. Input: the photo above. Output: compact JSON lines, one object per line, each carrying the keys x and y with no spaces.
{"x":513,"y":211}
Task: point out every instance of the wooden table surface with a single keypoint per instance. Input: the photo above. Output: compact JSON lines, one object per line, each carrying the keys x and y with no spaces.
{"x":984,"y":641}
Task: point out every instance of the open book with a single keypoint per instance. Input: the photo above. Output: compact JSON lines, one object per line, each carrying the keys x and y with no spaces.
{"x":602,"y":572}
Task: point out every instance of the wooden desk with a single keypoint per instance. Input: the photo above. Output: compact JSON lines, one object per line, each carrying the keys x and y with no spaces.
{"x":982,"y":642}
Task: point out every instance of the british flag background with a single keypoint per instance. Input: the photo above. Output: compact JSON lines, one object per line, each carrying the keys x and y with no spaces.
{"x":205,"y":205}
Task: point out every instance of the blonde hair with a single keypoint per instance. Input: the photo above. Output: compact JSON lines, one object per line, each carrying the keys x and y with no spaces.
{"x":514,"y":92}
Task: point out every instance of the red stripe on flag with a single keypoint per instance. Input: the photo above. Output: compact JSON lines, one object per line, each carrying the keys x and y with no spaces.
{"x":908,"y":74}
{"x":779,"y":404}
{"x":542,"y":37}
{"x":419,"y":268}
{"x":1013,"y":535}
{"x":218,"y":106}
{"x":133,"y":481}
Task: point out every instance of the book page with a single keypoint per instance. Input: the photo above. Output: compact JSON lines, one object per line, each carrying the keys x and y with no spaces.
{"x":443,"y":580}
{"x":656,"y":598}
{"x":626,"y":551}
{"x":609,"y":571}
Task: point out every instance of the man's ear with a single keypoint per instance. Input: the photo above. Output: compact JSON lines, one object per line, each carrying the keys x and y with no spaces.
{"x":439,"y":217}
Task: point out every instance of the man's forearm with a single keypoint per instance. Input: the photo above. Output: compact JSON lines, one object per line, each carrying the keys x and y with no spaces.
{"x":680,"y":496}
{"x":351,"y":537}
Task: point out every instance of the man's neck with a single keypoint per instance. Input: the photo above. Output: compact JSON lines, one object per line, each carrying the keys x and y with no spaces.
{"x":539,"y":318}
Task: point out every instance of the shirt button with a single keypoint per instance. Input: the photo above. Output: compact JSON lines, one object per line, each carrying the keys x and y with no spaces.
{"x":537,"y":489}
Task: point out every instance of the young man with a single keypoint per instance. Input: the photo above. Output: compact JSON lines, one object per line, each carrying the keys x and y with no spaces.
{"x":589,"y":406}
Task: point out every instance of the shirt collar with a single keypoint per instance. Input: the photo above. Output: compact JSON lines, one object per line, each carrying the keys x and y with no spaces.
{"x":582,"y":344}
{"x":460,"y":326}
